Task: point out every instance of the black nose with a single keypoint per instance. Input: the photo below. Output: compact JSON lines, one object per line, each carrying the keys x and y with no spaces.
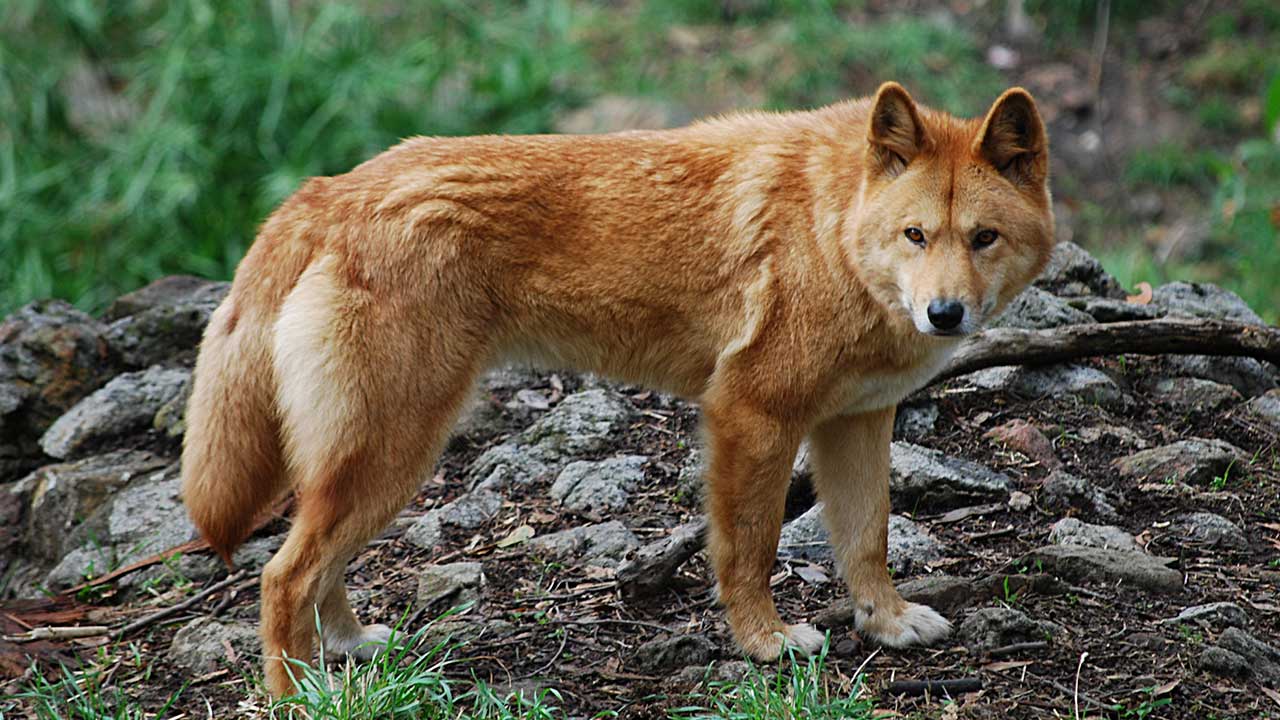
{"x":946,"y":314}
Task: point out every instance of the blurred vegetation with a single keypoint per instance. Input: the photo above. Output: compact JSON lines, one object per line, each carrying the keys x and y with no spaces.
{"x":141,"y":137}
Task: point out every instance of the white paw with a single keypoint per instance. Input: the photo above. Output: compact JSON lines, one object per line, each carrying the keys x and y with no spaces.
{"x":363,"y":645}
{"x":805,"y":638}
{"x":917,"y":625}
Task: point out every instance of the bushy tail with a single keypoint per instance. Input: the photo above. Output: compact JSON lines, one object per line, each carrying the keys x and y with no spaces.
{"x":232,"y":459}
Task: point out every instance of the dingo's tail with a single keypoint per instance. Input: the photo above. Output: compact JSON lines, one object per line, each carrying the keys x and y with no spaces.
{"x":232,"y":458}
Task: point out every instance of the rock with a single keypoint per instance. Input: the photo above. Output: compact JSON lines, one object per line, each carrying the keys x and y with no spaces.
{"x":171,"y":418}
{"x":487,"y":416}
{"x":1020,"y":501}
{"x":148,"y":516}
{"x":1027,"y":439}
{"x":1265,"y":410}
{"x":456,"y":632}
{"x":1181,"y":299}
{"x":1064,"y":491}
{"x":1036,"y":309}
{"x":467,"y":512}
{"x":806,"y":537}
{"x":1192,"y":461}
{"x":1108,"y":310}
{"x":82,"y":563}
{"x":691,"y":477}
{"x":915,"y":421}
{"x":1192,"y":394}
{"x":201,"y":646}
{"x":164,"y":321}
{"x":945,"y":593}
{"x":64,"y":498}
{"x":927,"y":479}
{"x":458,"y":583}
{"x":1073,"y":272}
{"x":602,"y":544}
{"x":1221,"y":661}
{"x":724,"y":672}
{"x":1087,"y":383}
{"x":1247,"y":375}
{"x":51,"y":356}
{"x":993,"y":627}
{"x":1208,"y":529}
{"x":612,"y":113}
{"x":676,"y":651}
{"x":125,"y":405}
{"x":1070,"y":531}
{"x":582,"y":424}
{"x":595,"y":486}
{"x":1081,"y":564}
{"x":1263,"y":660}
{"x":1117,"y":434}
{"x":1215,"y":615}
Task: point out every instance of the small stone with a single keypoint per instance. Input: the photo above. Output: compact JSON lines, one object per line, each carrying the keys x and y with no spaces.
{"x":1193,"y":461}
{"x":126,"y":405}
{"x":1117,"y":434}
{"x":993,"y":627}
{"x":1265,"y":410}
{"x":1263,"y":660}
{"x":1082,"y":564}
{"x":201,"y":646}
{"x":928,"y":479}
{"x":471,"y":510}
{"x":1216,"y":615}
{"x":1070,"y":531}
{"x":1086,"y":383}
{"x":602,"y":544}
{"x":1247,"y":375}
{"x":1193,"y":394}
{"x":691,"y":477}
{"x":944,"y":593}
{"x":1027,"y":439}
{"x":1210,"y":530}
{"x":722,"y":672}
{"x":806,"y":537}
{"x":1221,"y":661}
{"x":673,"y":652}
{"x":915,"y":421}
{"x":1108,"y":310}
{"x":1064,"y":491}
{"x":1019,"y":501}
{"x":459,"y":583}
{"x":595,"y":486}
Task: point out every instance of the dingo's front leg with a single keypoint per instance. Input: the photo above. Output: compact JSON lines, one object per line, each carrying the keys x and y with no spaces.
{"x":851,"y":476}
{"x":751,"y":457}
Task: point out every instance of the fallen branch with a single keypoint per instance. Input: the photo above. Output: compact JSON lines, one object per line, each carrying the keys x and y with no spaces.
{"x":651,"y":568}
{"x":58,"y":633}
{"x":173,"y":609}
{"x":934,"y":687}
{"x":1166,"y":336}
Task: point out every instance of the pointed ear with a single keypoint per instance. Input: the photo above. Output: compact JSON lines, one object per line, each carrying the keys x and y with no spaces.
{"x":1013,"y":139}
{"x":895,"y":135}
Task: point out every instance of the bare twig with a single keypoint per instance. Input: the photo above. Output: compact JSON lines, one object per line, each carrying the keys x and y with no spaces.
{"x":1018,"y":648}
{"x":173,"y":609}
{"x":934,"y":687}
{"x":58,"y":633}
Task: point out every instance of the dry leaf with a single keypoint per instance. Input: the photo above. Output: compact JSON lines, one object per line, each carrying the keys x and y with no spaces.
{"x":1275,"y":696}
{"x":1143,"y":297}
{"x":1006,"y":665}
{"x":517,"y":536}
{"x":1167,"y":688}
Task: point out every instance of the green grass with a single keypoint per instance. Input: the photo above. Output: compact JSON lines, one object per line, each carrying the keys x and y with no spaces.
{"x":416,"y":678}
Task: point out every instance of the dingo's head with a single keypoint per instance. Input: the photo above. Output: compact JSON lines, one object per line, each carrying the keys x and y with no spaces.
{"x":955,"y":216}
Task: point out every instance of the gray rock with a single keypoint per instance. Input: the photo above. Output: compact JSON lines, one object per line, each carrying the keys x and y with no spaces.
{"x":944,"y":593}
{"x":993,"y":627}
{"x":603,"y":485}
{"x":487,"y":416}
{"x":164,"y":321}
{"x":1221,"y":661}
{"x":51,"y":356}
{"x":171,"y":418}
{"x":676,"y":651}
{"x":928,"y":479}
{"x":1265,"y":411}
{"x":1073,"y":272}
{"x":612,"y":113}
{"x":1070,"y":531}
{"x":126,"y":405}
{"x":201,"y":645}
{"x":65,"y":498}
{"x":1181,"y":299}
{"x":1215,"y":615}
{"x":1118,"y":434}
{"x":691,"y":477}
{"x":582,"y":424}
{"x":458,"y":583}
{"x":806,"y":538}
{"x":603,"y":544}
{"x":467,"y":512}
{"x":723,"y":672}
{"x":915,"y":421}
{"x":1192,"y":461}
{"x":82,"y":563}
{"x":1035,"y":309}
{"x":1263,"y":660}
{"x":1208,"y":529}
{"x":1087,"y":383}
{"x":1193,"y":394}
{"x":1108,"y":310}
{"x":1064,"y":491}
{"x":1247,"y":375}
{"x":1081,"y":564}
{"x":148,"y":516}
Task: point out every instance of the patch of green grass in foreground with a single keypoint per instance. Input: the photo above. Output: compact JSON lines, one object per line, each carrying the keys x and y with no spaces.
{"x":409,"y":680}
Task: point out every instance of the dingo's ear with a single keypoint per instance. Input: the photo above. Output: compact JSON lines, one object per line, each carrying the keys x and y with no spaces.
{"x":1013,"y":139}
{"x":896,"y":134}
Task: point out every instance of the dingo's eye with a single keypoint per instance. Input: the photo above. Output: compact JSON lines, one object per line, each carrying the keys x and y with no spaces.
{"x":915,"y":235}
{"x":983,"y":239}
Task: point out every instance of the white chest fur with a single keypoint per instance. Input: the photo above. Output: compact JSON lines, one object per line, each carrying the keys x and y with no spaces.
{"x":863,"y":393}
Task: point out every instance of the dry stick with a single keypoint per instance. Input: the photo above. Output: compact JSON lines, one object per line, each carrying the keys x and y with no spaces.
{"x":1017,"y":648}
{"x":187,"y":547}
{"x":1009,"y":346}
{"x":933,"y":687}
{"x":172,"y":609}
